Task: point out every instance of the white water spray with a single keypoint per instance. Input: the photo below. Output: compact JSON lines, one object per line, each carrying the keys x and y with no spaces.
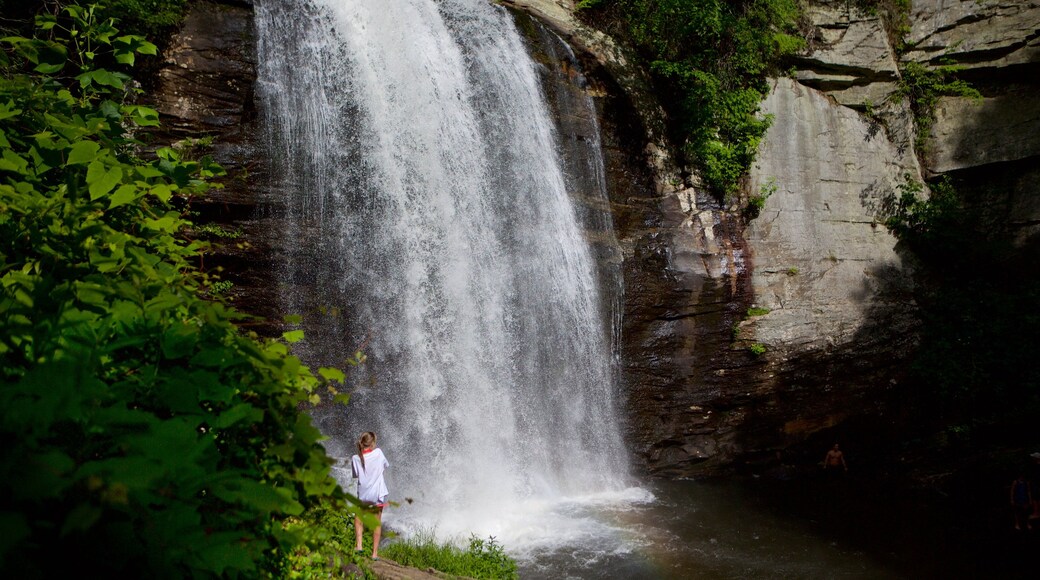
{"x":424,"y":196}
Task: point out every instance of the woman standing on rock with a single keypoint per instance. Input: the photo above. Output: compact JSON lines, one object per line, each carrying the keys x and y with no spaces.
{"x":368,"y":466}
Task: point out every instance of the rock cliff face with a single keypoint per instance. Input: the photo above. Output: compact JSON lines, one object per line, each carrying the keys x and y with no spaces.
{"x":831,"y":290}
{"x":205,"y":89}
{"x":991,"y":146}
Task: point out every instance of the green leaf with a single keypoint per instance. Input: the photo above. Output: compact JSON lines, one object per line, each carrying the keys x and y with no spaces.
{"x":163,"y":192}
{"x":264,"y":497}
{"x":8,"y":111}
{"x":83,"y":152}
{"x":126,"y":58}
{"x":46,"y":21}
{"x":146,"y":47}
{"x":168,"y":223}
{"x":179,"y":340}
{"x":11,"y":161}
{"x":124,"y":195}
{"x":142,"y":116}
{"x":101,"y":180}
{"x":243,"y":412}
{"x":293,"y":336}
{"x":332,"y":374}
{"x":80,"y":519}
{"x":148,"y":172}
{"x":342,"y":398}
{"x":100,"y":77}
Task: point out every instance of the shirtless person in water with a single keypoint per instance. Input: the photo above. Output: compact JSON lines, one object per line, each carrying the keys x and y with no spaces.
{"x":834,"y":459}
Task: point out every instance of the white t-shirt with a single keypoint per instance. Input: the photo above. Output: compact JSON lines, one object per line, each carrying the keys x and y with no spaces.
{"x":371,"y":486}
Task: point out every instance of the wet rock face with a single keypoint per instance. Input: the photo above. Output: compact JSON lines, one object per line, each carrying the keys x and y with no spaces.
{"x":205,"y":89}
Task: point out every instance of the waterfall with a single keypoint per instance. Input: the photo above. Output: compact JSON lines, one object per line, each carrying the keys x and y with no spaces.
{"x":428,"y":223}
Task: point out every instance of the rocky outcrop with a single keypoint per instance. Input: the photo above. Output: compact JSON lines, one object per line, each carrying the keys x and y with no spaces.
{"x":980,"y":36}
{"x":990,"y":146}
{"x":849,"y":56}
{"x":996,"y":129}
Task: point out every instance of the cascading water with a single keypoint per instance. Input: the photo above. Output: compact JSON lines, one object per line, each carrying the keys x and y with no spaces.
{"x":424,"y":197}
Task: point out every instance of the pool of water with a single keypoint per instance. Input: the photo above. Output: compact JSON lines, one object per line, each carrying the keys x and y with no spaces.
{"x":687,"y":529}
{"x":751,"y":528}
{"x":811,"y":528}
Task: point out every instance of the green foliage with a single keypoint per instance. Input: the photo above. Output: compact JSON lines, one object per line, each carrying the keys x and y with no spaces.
{"x":153,"y":18}
{"x":220,"y":287}
{"x":481,"y":559}
{"x":330,"y":547}
{"x":757,"y":201}
{"x":712,"y":57}
{"x":142,"y":432}
{"x":924,"y":221}
{"x":753,"y":311}
{"x":792,"y":271}
{"x":978,"y":305}
{"x":757,"y":349}
{"x":923,"y":86}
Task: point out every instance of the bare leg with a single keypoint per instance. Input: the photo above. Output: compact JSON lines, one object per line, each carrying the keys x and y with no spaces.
{"x":359,"y":530}
{"x":377,"y":533}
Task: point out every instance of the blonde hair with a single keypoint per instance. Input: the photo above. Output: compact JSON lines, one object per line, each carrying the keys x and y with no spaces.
{"x":366,"y":441}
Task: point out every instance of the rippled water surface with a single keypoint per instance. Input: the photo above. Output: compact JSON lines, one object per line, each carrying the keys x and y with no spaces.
{"x":686,"y":529}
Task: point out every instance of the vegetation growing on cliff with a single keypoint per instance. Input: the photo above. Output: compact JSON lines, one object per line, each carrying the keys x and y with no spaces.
{"x":923,"y":86}
{"x":978,"y":304}
{"x":142,"y":430}
{"x":710,"y":59}
{"x":151,"y":18}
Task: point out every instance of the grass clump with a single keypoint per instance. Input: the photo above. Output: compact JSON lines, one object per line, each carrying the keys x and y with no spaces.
{"x":480,"y":559}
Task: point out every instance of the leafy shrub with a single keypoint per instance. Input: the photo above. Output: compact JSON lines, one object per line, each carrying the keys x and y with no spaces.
{"x":757,"y":202}
{"x":142,"y":431}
